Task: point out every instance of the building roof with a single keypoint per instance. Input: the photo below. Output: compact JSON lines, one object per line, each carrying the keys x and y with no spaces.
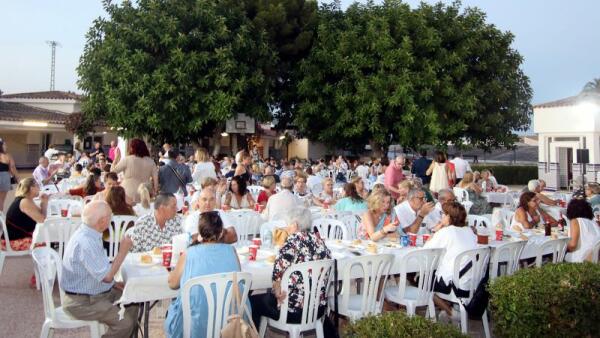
{"x":51,"y":95}
{"x":12,"y":111}
{"x":572,"y":101}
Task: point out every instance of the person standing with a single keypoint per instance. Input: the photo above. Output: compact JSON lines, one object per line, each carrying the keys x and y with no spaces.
{"x":97,"y":151}
{"x":137,"y":168}
{"x":460,"y":166}
{"x":51,"y":152}
{"x":7,"y":169}
{"x":394,"y":175}
{"x":173,"y":176}
{"x":88,"y":276}
{"x":419,"y":167}
{"x":114,"y":151}
{"x":439,"y":172}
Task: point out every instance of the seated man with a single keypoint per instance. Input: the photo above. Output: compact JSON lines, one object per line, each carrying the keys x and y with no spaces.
{"x":207,"y":202}
{"x":157,"y":228}
{"x":412,"y":212}
{"x":434,"y":218}
{"x":87,"y":275}
{"x":537,"y":186}
{"x":283,"y":201}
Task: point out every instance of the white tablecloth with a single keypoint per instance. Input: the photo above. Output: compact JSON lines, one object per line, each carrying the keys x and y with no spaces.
{"x":55,"y":229}
{"x":554,"y":211}
{"x":498,"y":197}
{"x":144,"y":284}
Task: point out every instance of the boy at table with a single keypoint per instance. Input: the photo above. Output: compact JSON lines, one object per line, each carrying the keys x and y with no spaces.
{"x":88,"y":276}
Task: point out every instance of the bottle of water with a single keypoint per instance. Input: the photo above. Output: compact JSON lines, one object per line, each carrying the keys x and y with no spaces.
{"x":267,"y":241}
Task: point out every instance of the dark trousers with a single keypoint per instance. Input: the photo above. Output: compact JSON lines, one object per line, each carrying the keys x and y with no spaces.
{"x":265,"y":304}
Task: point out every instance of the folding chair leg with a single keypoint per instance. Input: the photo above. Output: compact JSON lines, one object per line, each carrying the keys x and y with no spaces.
{"x":431,"y":310}
{"x":464,"y":320}
{"x":486,"y":324}
{"x":263,"y":326}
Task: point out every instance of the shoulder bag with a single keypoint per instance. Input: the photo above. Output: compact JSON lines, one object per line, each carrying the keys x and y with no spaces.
{"x":236,"y":326}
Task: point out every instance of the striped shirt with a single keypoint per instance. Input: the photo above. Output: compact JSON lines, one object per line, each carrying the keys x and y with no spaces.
{"x":85,"y":263}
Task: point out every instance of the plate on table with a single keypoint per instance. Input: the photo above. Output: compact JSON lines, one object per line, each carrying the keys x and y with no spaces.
{"x":335,"y":244}
{"x":154,"y":262}
{"x":243,"y":250}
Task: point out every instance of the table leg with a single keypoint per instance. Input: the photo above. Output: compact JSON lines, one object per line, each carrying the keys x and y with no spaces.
{"x":139,"y":320}
{"x":146,"y":319}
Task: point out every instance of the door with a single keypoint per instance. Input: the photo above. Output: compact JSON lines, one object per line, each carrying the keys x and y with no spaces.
{"x":569,"y":164}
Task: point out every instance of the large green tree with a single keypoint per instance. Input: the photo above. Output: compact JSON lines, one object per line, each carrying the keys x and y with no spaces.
{"x":174,"y":70}
{"x":385,"y":74}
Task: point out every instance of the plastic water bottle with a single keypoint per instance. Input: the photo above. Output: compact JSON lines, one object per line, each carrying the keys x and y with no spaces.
{"x":268,"y":239}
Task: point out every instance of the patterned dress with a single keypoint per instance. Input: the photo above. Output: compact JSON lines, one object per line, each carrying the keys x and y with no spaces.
{"x":299,"y":247}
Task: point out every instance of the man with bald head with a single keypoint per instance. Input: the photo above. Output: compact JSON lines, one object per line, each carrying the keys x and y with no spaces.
{"x":42,"y":173}
{"x":88,"y":276}
{"x":206,"y":202}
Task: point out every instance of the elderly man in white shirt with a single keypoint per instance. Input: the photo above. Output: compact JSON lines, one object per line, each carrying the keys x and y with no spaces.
{"x":433,"y":220}
{"x":283,"y":201}
{"x":207,"y":202}
{"x":412,"y":212}
{"x":460,"y":167}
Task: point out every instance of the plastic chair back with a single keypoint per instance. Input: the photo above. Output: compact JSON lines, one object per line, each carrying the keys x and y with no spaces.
{"x":218,"y":295}
{"x":461,"y":194}
{"x":61,"y":229}
{"x":509,"y":253}
{"x":49,"y":267}
{"x":427,"y":261}
{"x":331,"y":228}
{"x":557,"y":247}
{"x":116,"y":230}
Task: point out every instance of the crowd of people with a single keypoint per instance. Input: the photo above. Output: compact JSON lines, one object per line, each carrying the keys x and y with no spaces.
{"x":172,"y":194}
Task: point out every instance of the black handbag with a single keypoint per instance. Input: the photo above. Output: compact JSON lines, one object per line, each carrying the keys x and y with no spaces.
{"x":13,"y":180}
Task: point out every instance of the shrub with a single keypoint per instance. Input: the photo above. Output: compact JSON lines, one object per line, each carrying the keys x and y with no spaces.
{"x":510,"y":174}
{"x":398,"y":324}
{"x":557,"y":300}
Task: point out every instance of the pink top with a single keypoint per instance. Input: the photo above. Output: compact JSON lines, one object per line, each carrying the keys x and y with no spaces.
{"x":393,"y":176}
{"x":111,"y":153}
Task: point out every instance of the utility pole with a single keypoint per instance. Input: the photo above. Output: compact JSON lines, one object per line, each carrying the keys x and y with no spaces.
{"x":53,"y":44}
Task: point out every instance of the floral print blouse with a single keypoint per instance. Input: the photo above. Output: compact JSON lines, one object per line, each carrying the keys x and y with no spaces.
{"x":299,"y":247}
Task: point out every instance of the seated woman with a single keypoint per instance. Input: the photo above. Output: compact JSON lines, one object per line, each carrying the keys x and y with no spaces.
{"x":488,"y":182}
{"x":529,"y":214}
{"x":456,"y":237}
{"x":301,"y":189}
{"x":110,"y":180}
{"x":360,"y":187}
{"x":584,"y":231}
{"x":301,"y":245}
{"x":480,"y":203}
{"x":352,"y":201}
{"x":146,"y":205}
{"x":268,"y":182}
{"x":23,"y":214}
{"x":116,"y":199}
{"x":238,"y":196}
{"x":404,"y":187}
{"x":91,"y":187}
{"x":327,"y":196}
{"x":76,"y":172}
{"x":209,"y":256}
{"x":592,"y":192}
{"x":378,"y":221}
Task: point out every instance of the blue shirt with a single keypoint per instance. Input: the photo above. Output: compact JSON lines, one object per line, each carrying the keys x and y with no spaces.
{"x":348,"y":204}
{"x":419,"y":168}
{"x":85,"y":263}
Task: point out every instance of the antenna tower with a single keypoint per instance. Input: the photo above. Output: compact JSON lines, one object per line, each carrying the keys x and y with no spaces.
{"x":53,"y":44}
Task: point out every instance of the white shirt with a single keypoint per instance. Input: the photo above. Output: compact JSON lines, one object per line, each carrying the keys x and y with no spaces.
{"x":589,"y":234}
{"x":460,"y":167}
{"x":203,"y":170}
{"x":280,"y":203}
{"x":50,"y":152}
{"x":434,"y":216}
{"x":313,"y":180}
{"x":406,"y":215}
{"x":455,"y":240}
{"x":190,"y":223}
{"x":362,"y":171}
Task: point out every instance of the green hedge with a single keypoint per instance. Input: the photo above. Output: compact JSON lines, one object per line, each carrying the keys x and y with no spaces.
{"x":510,"y":174}
{"x":398,"y":324}
{"x":557,"y":300}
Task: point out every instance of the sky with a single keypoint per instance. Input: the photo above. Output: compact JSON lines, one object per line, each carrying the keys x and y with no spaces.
{"x":559,"y":40}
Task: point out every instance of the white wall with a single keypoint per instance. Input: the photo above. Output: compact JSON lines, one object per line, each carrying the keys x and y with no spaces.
{"x":582,"y":118}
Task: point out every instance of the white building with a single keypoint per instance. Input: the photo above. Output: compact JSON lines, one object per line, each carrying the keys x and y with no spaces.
{"x":30,"y":122}
{"x":564,"y":126}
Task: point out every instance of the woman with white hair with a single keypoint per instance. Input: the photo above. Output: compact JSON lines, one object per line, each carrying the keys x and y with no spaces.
{"x":302,"y":245}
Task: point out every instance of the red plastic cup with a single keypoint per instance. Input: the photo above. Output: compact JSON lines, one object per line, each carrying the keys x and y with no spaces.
{"x":257,"y":207}
{"x":326,"y":205}
{"x":257,"y":242}
{"x":261,"y":208}
{"x":412,"y":238}
{"x":64,"y":212}
{"x":253,"y":251}
{"x":426,"y":237}
{"x":167,"y":255}
{"x":499,"y":235}
{"x":185,"y":209}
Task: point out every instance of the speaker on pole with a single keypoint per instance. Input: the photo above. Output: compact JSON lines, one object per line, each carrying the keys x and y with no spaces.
{"x":583,"y":156}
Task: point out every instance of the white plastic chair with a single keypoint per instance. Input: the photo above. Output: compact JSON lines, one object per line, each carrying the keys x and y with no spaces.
{"x":352,"y":222}
{"x":216,"y":287}
{"x":48,"y":264}
{"x":61,"y":229}
{"x":557,"y":247}
{"x":1,"y":261}
{"x":331,"y":228}
{"x":116,"y":230}
{"x":461,"y":194}
{"x":509,"y":253}
{"x":373,"y":269}
{"x":427,"y":261}
{"x":479,"y":259}
{"x":595,"y":253}
{"x":467,"y":205}
{"x":315,"y":276}
{"x":8,"y":251}
{"x":255,"y":190}
{"x":245,"y":224}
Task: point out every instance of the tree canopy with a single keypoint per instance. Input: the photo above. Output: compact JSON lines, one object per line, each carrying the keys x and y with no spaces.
{"x":174,"y":70}
{"x":387,"y":74}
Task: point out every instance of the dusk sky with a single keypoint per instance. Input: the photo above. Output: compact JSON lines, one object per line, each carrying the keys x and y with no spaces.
{"x":559,"y":40}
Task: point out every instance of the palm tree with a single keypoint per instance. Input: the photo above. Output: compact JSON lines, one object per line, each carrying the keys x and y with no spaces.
{"x":592,"y":86}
